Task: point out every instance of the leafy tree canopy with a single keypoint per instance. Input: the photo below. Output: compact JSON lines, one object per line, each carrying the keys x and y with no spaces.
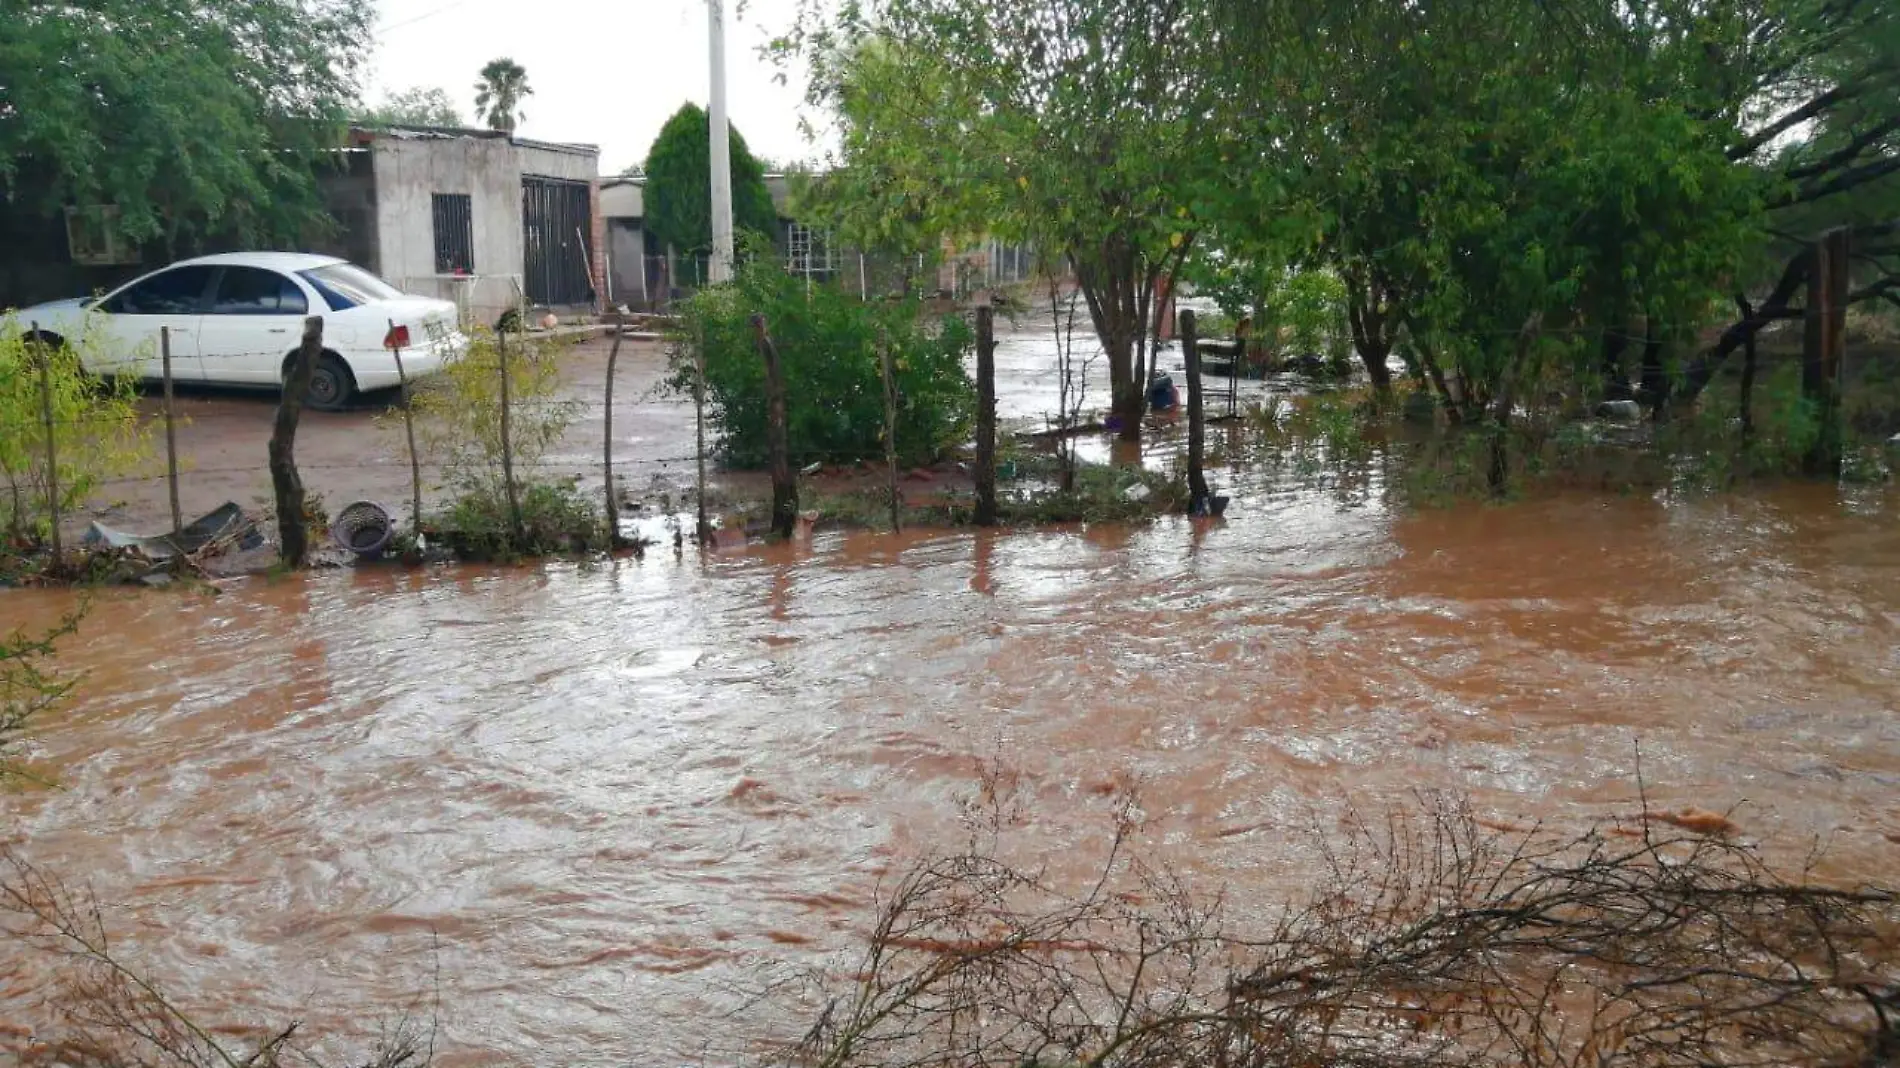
{"x":188,"y":118}
{"x":679,"y":185}
{"x":414,"y":107}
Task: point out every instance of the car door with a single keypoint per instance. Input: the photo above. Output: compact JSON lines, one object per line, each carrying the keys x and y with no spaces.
{"x":254,"y":320}
{"x":132,"y":317}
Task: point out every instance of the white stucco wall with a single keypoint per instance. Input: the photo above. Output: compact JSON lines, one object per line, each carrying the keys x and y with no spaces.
{"x":489,"y":171}
{"x":408,"y":173}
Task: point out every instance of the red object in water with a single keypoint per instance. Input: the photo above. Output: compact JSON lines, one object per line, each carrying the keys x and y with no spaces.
{"x":397,"y":338}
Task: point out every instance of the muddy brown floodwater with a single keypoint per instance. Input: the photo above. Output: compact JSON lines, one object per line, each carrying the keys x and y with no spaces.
{"x":602,"y":802}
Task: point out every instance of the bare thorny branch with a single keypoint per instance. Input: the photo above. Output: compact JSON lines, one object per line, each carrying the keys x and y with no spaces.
{"x":1431,"y":941}
{"x":111,"y":1015}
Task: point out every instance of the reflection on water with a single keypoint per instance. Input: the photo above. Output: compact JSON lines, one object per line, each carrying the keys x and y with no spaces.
{"x":599,"y":796}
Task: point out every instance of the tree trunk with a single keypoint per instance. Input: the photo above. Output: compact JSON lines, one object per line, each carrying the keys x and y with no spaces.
{"x":986,"y":416}
{"x":292,"y":536}
{"x":1616,"y":384}
{"x":784,"y":487}
{"x":1110,"y":289}
{"x":1748,"y":379}
{"x":1825,"y":336}
{"x":1653,"y":386}
{"x":1702,"y":371}
{"x":1369,"y":338}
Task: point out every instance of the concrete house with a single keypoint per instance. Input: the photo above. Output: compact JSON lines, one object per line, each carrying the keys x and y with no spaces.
{"x":479,"y":217}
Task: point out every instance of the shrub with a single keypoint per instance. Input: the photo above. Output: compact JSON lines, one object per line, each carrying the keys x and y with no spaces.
{"x":828,"y":348}
{"x":555,"y":518}
{"x":96,"y":431}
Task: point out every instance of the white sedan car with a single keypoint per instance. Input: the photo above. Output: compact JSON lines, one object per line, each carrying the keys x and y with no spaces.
{"x":237,"y":318}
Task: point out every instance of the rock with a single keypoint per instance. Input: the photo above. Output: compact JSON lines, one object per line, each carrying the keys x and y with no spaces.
{"x":1137,"y":492}
{"x":1622,"y":411}
{"x":157,"y":580}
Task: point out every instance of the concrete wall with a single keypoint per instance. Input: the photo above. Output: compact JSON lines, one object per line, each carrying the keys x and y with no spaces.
{"x":488,"y":169}
{"x":408,"y":173}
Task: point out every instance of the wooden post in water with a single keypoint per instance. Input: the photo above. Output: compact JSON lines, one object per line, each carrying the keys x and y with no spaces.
{"x":409,"y":431}
{"x":607,"y":447}
{"x":508,"y":446}
{"x":1748,"y":375}
{"x":784,"y":487}
{"x":1823,"y":344}
{"x":52,"y":447}
{"x":986,"y":416}
{"x":292,"y":536}
{"x":702,"y":532}
{"x":171,"y":435}
{"x":1198,"y":497}
{"x":890,"y":426}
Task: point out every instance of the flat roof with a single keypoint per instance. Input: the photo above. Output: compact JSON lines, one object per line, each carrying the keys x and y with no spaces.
{"x":449,"y":133}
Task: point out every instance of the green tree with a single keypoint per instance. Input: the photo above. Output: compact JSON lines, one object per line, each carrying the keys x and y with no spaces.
{"x":502,"y":87}
{"x":205,"y":118}
{"x":679,"y":185}
{"x":1077,"y":126}
{"x":414,"y":107}
{"x":828,"y":344}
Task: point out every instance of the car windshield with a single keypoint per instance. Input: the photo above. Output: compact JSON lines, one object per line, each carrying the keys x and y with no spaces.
{"x":345,"y":285}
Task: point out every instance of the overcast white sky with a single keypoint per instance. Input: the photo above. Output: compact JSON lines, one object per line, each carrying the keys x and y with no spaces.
{"x":604,"y":72}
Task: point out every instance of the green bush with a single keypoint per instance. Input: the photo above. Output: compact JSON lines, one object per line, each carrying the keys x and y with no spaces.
{"x":556,"y":518}
{"x":827,"y":344}
{"x":97,"y":433}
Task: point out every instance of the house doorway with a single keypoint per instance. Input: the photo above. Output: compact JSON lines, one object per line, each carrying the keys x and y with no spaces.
{"x":555,"y":257}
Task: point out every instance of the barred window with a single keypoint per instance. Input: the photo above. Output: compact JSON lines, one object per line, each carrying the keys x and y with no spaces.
{"x":809,"y":252}
{"x":454,"y":233}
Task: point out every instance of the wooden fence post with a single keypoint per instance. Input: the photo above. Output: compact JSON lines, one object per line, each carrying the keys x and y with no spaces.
{"x":171,"y":435}
{"x":508,"y":446}
{"x":703,"y":529}
{"x":293,"y":538}
{"x":409,"y":430}
{"x":1198,"y":497}
{"x":890,"y":426}
{"x":1824,"y":340}
{"x":986,"y":416}
{"x":784,"y":488}
{"x":52,"y":447}
{"x":607,"y":447}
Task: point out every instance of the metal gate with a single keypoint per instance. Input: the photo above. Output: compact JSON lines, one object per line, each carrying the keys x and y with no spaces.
{"x":554,"y":218}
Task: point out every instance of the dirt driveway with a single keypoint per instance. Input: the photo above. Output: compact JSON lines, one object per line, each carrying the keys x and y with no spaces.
{"x":359,"y":454}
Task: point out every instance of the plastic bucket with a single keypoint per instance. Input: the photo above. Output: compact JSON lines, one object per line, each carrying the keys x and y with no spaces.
{"x":363,"y":527}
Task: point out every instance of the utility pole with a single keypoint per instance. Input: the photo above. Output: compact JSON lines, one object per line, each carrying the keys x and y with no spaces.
{"x":721,"y":268}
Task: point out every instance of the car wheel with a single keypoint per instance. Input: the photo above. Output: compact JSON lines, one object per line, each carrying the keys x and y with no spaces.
{"x":330,"y":385}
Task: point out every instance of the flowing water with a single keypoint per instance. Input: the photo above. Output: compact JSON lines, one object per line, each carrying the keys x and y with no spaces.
{"x":592,"y":806}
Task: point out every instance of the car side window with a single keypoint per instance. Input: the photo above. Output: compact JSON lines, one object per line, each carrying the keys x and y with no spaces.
{"x":255,"y":291}
{"x":179,"y":291}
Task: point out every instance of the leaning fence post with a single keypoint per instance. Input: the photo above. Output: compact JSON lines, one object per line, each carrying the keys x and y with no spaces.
{"x":702,"y":531}
{"x":784,"y":488}
{"x":293,"y":538}
{"x":1197,"y":426}
{"x":607,"y":447}
{"x":890,"y":425}
{"x":171,"y":436}
{"x":408,"y":429}
{"x":986,"y":416}
{"x":508,"y":445}
{"x":52,"y":448}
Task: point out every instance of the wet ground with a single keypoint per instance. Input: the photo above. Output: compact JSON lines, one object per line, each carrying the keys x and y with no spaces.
{"x":595,"y":805}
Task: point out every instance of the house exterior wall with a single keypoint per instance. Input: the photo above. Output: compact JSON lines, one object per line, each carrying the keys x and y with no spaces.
{"x":408,"y":173}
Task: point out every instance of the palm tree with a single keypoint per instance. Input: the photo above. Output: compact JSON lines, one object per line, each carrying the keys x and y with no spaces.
{"x":499,"y":94}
